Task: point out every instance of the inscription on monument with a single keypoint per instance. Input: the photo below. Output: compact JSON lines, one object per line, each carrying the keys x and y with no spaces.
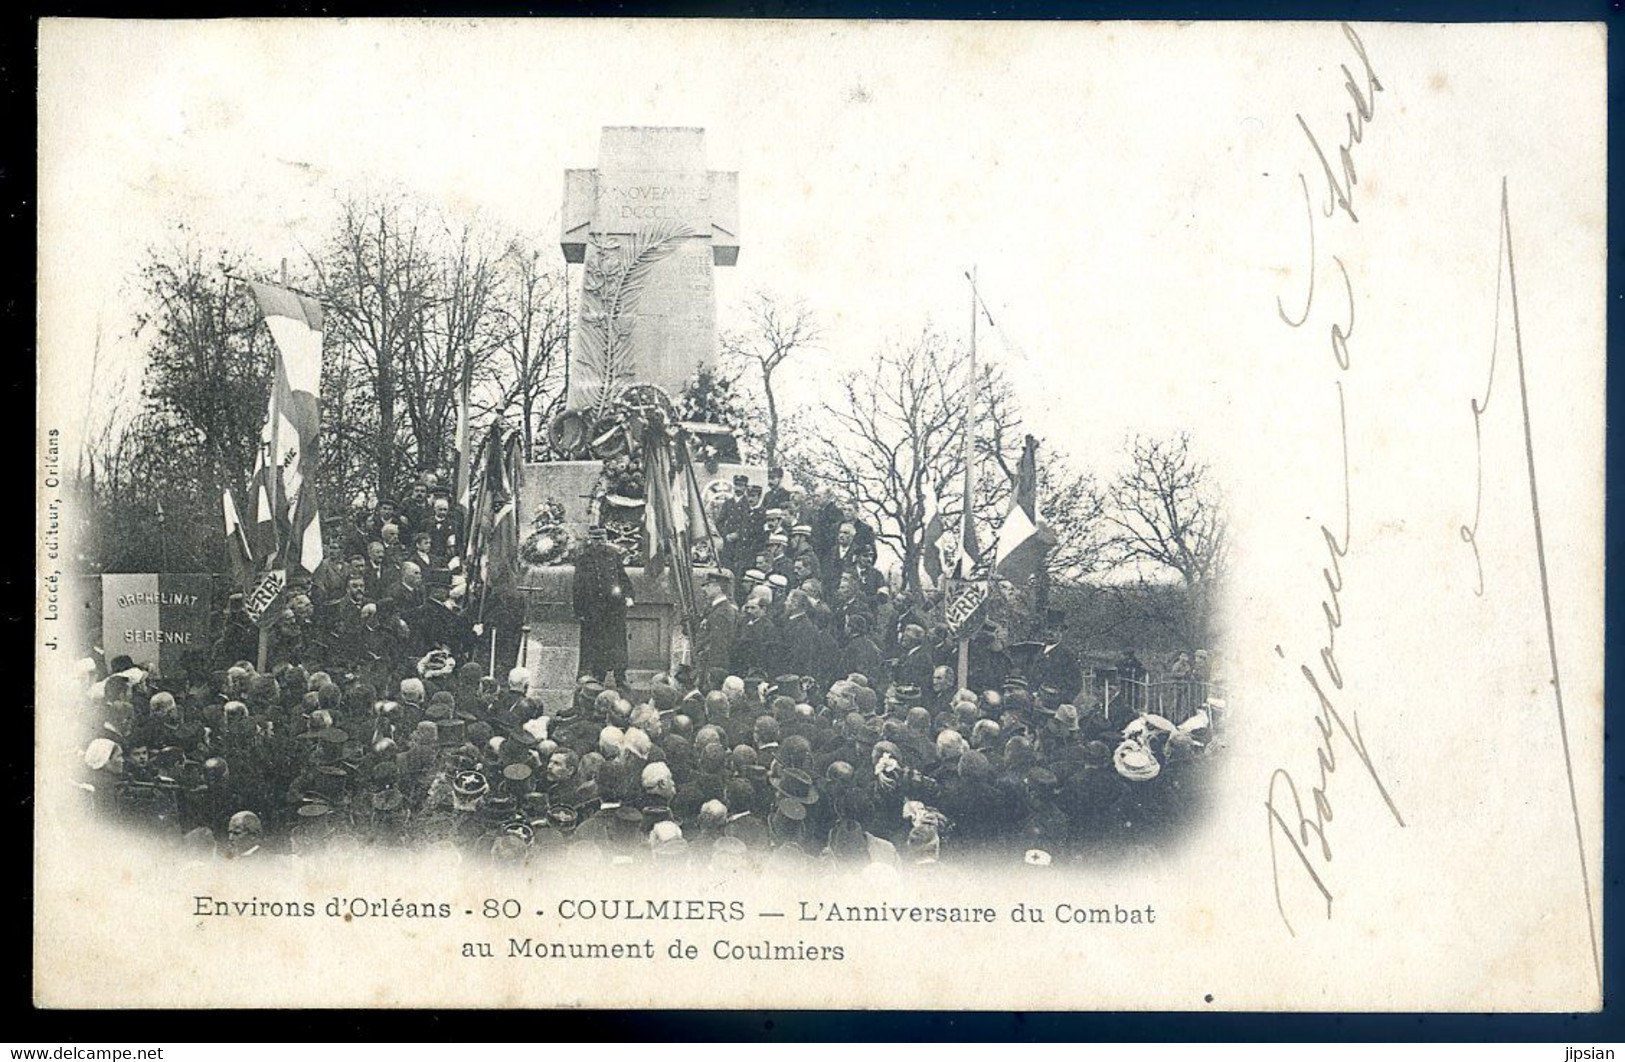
{"x":649,"y":179}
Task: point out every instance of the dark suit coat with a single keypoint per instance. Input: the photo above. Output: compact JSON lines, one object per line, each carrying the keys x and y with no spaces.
{"x":715,"y":634}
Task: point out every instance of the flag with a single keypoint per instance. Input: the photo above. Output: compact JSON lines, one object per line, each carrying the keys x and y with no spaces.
{"x":675,"y":519}
{"x":1021,"y":545}
{"x":292,"y":424}
{"x":935,"y":528}
{"x":970,"y":554}
{"x":492,"y":541}
{"x":244,"y":562}
{"x":1027,"y":479}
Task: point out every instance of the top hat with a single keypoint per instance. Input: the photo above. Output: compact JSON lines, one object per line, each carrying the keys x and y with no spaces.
{"x":797,"y":785}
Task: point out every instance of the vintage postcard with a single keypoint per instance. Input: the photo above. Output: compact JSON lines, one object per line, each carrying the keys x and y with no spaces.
{"x":820,"y":514}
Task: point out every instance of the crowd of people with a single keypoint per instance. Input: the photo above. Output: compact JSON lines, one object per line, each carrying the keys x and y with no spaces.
{"x":821,"y":718}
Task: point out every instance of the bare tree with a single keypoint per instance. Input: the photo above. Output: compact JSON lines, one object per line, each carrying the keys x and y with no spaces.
{"x":777,"y":331}
{"x":527,"y":370}
{"x":891,"y":439}
{"x":460,"y":330}
{"x":191,"y":429}
{"x":375,"y":282}
{"x":1166,"y":530}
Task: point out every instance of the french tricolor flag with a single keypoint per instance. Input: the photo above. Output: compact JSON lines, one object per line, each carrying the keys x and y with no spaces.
{"x":293,"y":421}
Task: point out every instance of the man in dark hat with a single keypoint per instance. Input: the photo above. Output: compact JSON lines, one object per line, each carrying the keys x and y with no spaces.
{"x":777,"y":495}
{"x":1056,"y":663}
{"x":733,"y":523}
{"x":387,"y":512}
{"x":602,"y":594}
{"x":715,"y":632}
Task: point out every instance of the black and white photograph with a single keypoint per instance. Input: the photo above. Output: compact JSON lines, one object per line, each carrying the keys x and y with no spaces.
{"x":807,"y":504}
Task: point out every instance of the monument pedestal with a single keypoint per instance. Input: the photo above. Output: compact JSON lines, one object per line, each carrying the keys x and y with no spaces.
{"x":655,"y":640}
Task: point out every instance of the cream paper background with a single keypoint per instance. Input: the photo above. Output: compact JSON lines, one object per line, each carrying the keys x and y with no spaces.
{"x":1134,"y":189}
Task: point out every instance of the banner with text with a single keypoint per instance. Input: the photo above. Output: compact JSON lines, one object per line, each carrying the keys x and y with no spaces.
{"x":156,"y":620}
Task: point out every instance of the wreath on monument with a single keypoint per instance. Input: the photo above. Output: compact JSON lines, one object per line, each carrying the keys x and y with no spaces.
{"x":549,"y":541}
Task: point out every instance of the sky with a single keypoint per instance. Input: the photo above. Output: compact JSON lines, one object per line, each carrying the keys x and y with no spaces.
{"x":877,"y":164}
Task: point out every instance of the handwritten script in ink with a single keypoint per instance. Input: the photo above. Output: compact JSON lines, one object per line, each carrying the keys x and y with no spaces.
{"x":1506,"y":288}
{"x":1299,"y":828}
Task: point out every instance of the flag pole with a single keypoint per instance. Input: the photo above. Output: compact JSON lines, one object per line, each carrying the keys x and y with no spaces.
{"x":463,"y":457}
{"x":274,"y":488}
{"x":969,"y":458}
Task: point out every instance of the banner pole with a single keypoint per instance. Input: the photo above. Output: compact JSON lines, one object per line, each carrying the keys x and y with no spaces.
{"x":969,"y":459}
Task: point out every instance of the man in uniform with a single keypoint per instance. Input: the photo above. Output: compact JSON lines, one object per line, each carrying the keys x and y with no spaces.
{"x":715,"y":633}
{"x":778,"y":495}
{"x":733,"y":517}
{"x":602,"y":593}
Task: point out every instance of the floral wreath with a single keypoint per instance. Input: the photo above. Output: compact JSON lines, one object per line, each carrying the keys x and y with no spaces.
{"x":549,"y":541}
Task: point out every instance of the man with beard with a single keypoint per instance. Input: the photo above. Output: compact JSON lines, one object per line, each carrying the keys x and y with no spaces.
{"x":602,"y":594}
{"x":343,"y":621}
{"x":381,"y":574}
{"x":914,"y":663}
{"x":442,"y":530}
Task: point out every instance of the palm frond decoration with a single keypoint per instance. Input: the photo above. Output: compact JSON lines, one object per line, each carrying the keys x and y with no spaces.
{"x":617,"y":272}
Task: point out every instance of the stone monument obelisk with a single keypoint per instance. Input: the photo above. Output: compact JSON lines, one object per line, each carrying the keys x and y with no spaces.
{"x":647,"y":227}
{"x":650,"y":199}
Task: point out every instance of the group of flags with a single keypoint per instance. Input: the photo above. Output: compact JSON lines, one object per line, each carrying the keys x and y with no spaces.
{"x":674,"y":513}
{"x":491,"y":547}
{"x":283,"y":529}
{"x":1019,"y":549}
